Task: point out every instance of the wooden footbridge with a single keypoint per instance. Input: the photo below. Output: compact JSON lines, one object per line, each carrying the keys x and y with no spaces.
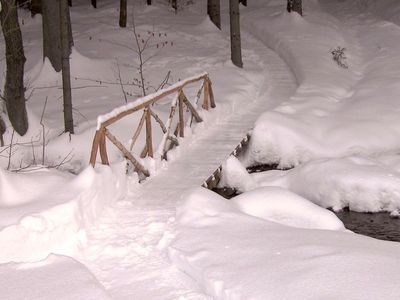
{"x":149,"y":208}
{"x":144,"y":106}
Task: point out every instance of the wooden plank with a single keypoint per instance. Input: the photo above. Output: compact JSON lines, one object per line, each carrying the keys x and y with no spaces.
{"x":102,"y":146}
{"x":138,"y":130}
{"x":194,"y":112}
{"x":181,"y":120}
{"x":149,"y":135}
{"x":198,"y":95}
{"x":144,"y":152}
{"x":127,"y":154}
{"x":95,"y":148}
{"x":206,"y":94}
{"x":162,"y":147}
{"x":159,"y":121}
{"x":212,"y":100}
{"x":150,"y":101}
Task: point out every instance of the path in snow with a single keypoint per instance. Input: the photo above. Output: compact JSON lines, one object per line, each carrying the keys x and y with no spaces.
{"x":125,"y":251}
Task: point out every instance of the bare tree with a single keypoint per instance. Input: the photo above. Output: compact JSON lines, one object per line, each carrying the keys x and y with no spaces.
{"x":2,"y":131}
{"x":65,"y":25}
{"x":236,"y":48}
{"x":174,"y":4}
{"x":14,"y":91}
{"x":122,"y":13}
{"x":52,"y":33}
{"x":295,"y":5}
{"x":214,"y":11}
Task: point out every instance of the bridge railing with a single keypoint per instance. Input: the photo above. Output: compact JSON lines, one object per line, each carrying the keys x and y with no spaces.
{"x":144,"y":105}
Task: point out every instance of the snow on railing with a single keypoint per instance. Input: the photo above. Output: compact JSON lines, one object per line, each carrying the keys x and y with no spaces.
{"x":144,"y":103}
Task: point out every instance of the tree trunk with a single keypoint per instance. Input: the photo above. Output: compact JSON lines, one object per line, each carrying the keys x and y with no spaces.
{"x":295,"y":5}
{"x":2,"y":131}
{"x":14,"y":91}
{"x":214,"y":11}
{"x":236,"y":48}
{"x":51,"y":33}
{"x":94,"y":3}
{"x":66,"y":74}
{"x":174,"y":4}
{"x":36,"y":7}
{"x":122,"y":13}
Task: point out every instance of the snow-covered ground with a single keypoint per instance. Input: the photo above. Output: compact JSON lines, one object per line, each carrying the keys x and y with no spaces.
{"x":168,"y":239}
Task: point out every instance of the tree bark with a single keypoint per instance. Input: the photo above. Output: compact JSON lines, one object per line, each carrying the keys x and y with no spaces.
{"x":174,"y":4}
{"x":2,"y":131}
{"x":122,"y":13}
{"x":52,"y":33}
{"x":214,"y":11}
{"x":14,"y":91}
{"x":66,"y":74}
{"x":236,"y":48}
{"x":94,"y":3}
{"x":295,"y":5}
{"x":36,"y":7}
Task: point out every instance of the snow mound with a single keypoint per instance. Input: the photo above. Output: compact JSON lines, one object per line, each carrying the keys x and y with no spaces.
{"x":235,"y":175}
{"x":57,"y":277}
{"x":236,"y":256}
{"x":362,"y":184}
{"x":282,"y":206}
{"x":53,"y":218}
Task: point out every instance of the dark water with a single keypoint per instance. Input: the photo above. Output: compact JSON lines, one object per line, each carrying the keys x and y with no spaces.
{"x":377,"y":225}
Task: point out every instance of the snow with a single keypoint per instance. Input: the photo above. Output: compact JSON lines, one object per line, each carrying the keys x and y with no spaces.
{"x":236,"y":256}
{"x":284,"y":207}
{"x":56,"y":277}
{"x":338,"y":127}
{"x":335,"y":112}
{"x":45,"y":211}
{"x":359,"y":183}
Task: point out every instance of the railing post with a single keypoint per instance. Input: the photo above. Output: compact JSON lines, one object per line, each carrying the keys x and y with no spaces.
{"x":149,"y":137}
{"x":102,"y":146}
{"x":206,"y":93}
{"x":212,"y":100}
{"x":95,"y":148}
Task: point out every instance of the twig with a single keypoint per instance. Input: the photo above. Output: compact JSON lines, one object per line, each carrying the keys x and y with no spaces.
{"x":120,"y":83}
{"x":9,"y":153}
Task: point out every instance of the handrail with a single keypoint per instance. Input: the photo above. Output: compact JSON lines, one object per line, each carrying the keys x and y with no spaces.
{"x":145,"y":103}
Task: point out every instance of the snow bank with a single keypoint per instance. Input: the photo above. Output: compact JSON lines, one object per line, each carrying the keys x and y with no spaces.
{"x":236,"y":256}
{"x":50,"y":215}
{"x":282,"y":206}
{"x":56,"y":277}
{"x":362,"y":184}
{"x":335,"y":112}
{"x":271,"y":204}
